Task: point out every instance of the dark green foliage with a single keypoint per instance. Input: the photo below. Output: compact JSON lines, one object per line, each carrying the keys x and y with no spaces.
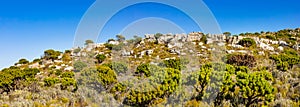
{"x":137,"y":39}
{"x":242,"y":69}
{"x":87,"y":42}
{"x":51,"y":54}
{"x":246,"y":88}
{"x":66,"y":82}
{"x":255,"y":87}
{"x":58,"y":72}
{"x":118,"y":67}
{"x":67,"y":75}
{"x":283,"y":66}
{"x":158,"y":35}
{"x":109,"y":46}
{"x":286,"y":60}
{"x":247,"y":42}
{"x":15,"y":78}
{"x":174,"y":63}
{"x":77,"y":50}
{"x":143,"y":69}
{"x":118,"y":47}
{"x":89,"y":76}
{"x":120,"y":38}
{"x":114,"y":47}
{"x":118,"y":90}
{"x":29,"y":72}
{"x":36,"y":60}
{"x":271,"y":37}
{"x":78,"y":65}
{"x":146,"y":70}
{"x":204,"y":39}
{"x":227,"y":33}
{"x":51,"y":81}
{"x":200,"y":80}
{"x":23,"y":61}
{"x":241,"y":60}
{"x":107,"y":77}
{"x":148,"y":94}
{"x":100,"y":58}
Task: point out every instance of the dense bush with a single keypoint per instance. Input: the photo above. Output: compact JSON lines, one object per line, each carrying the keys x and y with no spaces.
{"x":204,"y":39}
{"x":247,"y":42}
{"x":100,"y":58}
{"x":109,"y":46}
{"x":174,"y":63}
{"x":15,"y":78}
{"x":147,"y":94}
{"x":106,"y":76}
{"x":241,"y":60}
{"x":51,"y":81}
{"x":67,"y":82}
{"x":118,"y":67}
{"x":271,"y":37}
{"x":253,"y":89}
{"x":78,"y":65}
{"x":23,"y":61}
{"x":286,"y":60}
{"x":51,"y":54}
{"x":143,"y":69}
{"x":67,"y":75}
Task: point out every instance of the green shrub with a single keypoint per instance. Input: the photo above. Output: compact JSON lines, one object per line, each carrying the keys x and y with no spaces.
{"x":51,"y":54}
{"x":118,"y":67}
{"x":271,"y":37}
{"x":15,"y":78}
{"x":247,"y":42}
{"x":174,"y":63}
{"x":106,"y":76}
{"x":23,"y":61}
{"x":286,"y":60}
{"x":51,"y":81}
{"x":78,"y":65}
{"x":68,"y":75}
{"x":66,"y":82}
{"x":100,"y":58}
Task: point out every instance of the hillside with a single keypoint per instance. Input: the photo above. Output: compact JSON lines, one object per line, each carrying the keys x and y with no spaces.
{"x":195,"y":69}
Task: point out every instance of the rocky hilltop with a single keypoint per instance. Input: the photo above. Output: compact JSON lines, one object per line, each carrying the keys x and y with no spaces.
{"x":195,"y":69}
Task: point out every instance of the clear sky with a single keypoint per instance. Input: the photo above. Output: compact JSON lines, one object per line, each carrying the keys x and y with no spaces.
{"x":28,"y":27}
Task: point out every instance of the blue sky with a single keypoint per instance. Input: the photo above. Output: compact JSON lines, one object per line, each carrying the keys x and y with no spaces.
{"x":28,"y":27}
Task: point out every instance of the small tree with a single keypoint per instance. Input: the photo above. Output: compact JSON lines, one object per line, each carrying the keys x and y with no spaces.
{"x":204,"y":39}
{"x":23,"y":61}
{"x":255,"y":87}
{"x":143,"y":69}
{"x":118,"y":67}
{"x":78,"y":65}
{"x":51,"y":54}
{"x":120,"y":38}
{"x":100,"y":58}
{"x":87,"y":42}
{"x":51,"y":81}
{"x":67,"y":75}
{"x":107,"y":77}
{"x":77,"y":50}
{"x":227,"y":33}
{"x":109,"y":46}
{"x":67,"y":82}
{"x":174,"y":63}
{"x":158,"y":35}
{"x":201,"y":80}
{"x":247,"y":42}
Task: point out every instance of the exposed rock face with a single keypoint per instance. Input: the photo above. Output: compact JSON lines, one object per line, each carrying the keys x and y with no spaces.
{"x":195,"y":36}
